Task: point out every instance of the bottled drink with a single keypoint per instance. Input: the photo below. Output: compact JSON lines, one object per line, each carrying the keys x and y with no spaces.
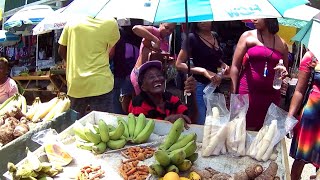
{"x":277,"y":81}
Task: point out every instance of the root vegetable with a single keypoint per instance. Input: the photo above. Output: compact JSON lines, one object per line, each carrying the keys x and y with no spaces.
{"x":269,"y":173}
{"x":219,"y":138}
{"x":266,"y":141}
{"x":250,"y":172}
{"x":208,"y":126}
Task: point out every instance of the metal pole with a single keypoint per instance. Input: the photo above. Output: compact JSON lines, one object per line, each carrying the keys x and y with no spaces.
{"x":186,"y":95}
{"x":37,"y":52}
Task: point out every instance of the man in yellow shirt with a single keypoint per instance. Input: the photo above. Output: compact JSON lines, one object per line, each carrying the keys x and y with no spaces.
{"x":85,"y":44}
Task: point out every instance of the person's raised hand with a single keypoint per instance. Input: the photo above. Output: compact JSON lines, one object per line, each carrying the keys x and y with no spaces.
{"x":172,"y":118}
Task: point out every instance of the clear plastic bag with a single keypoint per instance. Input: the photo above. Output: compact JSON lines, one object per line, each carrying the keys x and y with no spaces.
{"x":236,"y":141}
{"x":276,"y":125}
{"x":217,"y":116}
{"x":54,"y":150}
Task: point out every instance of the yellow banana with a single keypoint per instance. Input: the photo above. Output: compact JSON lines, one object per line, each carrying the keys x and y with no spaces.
{"x":23,"y":104}
{"x":45,"y":109}
{"x":118,"y":132}
{"x":140,"y":124}
{"x":65,"y":105}
{"x":173,"y":135}
{"x":13,"y":102}
{"x":104,"y":130}
{"x":6,"y":102}
{"x":35,"y":105}
{"x":131,"y":124}
{"x":144,"y":135}
{"x":52,"y":112}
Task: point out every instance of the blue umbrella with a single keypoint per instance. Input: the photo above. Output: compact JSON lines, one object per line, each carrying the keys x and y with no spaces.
{"x":8,"y":38}
{"x":309,"y":36}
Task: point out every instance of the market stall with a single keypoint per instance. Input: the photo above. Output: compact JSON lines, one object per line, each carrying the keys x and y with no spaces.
{"x":112,"y":162}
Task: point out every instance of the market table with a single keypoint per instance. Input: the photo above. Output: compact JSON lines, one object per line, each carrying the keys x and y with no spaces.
{"x":15,"y":151}
{"x":110,"y":160}
{"x":57,"y":79}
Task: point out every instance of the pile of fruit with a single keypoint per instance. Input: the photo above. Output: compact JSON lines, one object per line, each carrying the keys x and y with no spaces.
{"x":177,"y":152}
{"x":32,"y":168}
{"x":49,"y":110}
{"x":15,"y":120}
{"x":97,"y":138}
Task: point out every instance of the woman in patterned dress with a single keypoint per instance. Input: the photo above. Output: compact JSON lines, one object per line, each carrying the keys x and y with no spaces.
{"x":305,"y":146}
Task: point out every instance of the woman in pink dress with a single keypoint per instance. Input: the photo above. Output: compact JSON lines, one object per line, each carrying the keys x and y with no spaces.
{"x":253,"y":68}
{"x":150,"y":34}
{"x":8,"y":86}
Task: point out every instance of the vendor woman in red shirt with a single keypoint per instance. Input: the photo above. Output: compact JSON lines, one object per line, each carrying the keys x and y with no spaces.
{"x":154,"y":102}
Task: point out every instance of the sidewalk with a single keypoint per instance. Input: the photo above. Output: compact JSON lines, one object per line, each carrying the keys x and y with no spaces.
{"x":308,"y":169}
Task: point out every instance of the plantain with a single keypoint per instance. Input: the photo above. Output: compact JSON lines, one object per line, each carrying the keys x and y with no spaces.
{"x":140,"y":124}
{"x":78,"y":130}
{"x":45,"y":109}
{"x":185,"y":165}
{"x":84,"y":145}
{"x":144,"y":135}
{"x":99,"y":148}
{"x":104,"y":130}
{"x":189,"y":149}
{"x":116,"y":144}
{"x":4,"y":104}
{"x":177,"y":157}
{"x":173,"y":135}
{"x":126,"y":130}
{"x":157,"y":170}
{"x":193,"y":157}
{"x":118,"y":132}
{"x":173,"y":168}
{"x":91,"y":136}
{"x":183,"y":142}
{"x":131,"y":124}
{"x":162,"y":157}
{"x":35,"y":105}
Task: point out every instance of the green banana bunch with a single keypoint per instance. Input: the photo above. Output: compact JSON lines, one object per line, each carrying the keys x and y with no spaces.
{"x":96,"y":128}
{"x":91,"y":136}
{"x":78,"y":130}
{"x":84,"y":145}
{"x":126,"y":130}
{"x":183,"y":142}
{"x":173,"y":135}
{"x":104,"y":130}
{"x":144,"y":135}
{"x":157,"y":170}
{"x":162,"y":157}
{"x":116,"y":144}
{"x":99,"y":148}
{"x":118,"y":132}
{"x":131,"y":124}
{"x":185,"y":165}
{"x":177,"y":157}
{"x":173,"y":168}
{"x":189,"y":149}
{"x":140,"y":124}
{"x":193,"y":157}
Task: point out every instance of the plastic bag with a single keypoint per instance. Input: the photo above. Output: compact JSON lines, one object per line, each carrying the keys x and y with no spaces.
{"x":276,"y":125}
{"x":236,"y":141}
{"x":53,"y":149}
{"x":215,"y":130}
